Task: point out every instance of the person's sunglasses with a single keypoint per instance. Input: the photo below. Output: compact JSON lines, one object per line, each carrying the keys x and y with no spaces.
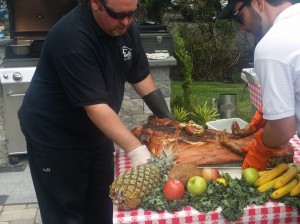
{"x":236,"y":15}
{"x":117,"y":15}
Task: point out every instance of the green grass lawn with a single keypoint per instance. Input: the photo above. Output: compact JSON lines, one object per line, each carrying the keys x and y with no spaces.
{"x":206,"y":91}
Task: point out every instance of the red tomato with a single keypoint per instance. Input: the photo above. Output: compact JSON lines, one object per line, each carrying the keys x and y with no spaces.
{"x":173,"y":189}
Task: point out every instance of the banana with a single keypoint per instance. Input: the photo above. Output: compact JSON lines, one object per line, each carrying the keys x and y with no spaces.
{"x":272,"y":174}
{"x":284,"y":190}
{"x":296,"y":190}
{"x":286,"y":177}
{"x":268,"y":185}
{"x":295,"y":165}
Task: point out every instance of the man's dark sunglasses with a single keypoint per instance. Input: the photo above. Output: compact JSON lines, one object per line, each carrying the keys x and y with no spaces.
{"x":236,"y":15}
{"x":117,"y":15}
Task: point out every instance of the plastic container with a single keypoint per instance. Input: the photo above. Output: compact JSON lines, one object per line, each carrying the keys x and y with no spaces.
{"x":249,"y":75}
{"x":225,"y":124}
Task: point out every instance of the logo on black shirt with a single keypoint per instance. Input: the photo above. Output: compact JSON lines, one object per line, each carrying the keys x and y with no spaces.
{"x":127,"y":53}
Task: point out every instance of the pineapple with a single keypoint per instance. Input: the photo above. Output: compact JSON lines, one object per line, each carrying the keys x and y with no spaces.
{"x":127,"y":191}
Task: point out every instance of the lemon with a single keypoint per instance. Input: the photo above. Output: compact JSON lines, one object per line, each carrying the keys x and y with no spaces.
{"x":221,"y":180}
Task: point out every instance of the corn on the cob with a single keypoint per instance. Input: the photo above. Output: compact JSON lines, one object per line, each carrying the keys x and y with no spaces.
{"x":275,"y":172}
{"x":296,"y":189}
{"x":268,"y":185}
{"x":263,"y":172}
{"x":286,"y":177}
{"x":284,"y":190}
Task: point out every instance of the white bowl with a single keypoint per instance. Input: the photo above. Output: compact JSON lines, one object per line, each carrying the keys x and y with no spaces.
{"x":225,"y":124}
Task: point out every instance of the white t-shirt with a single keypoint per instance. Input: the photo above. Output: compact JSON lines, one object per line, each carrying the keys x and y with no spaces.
{"x":277,"y":63}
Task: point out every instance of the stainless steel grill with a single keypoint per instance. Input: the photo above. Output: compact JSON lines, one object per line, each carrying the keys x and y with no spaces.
{"x":14,"y":82}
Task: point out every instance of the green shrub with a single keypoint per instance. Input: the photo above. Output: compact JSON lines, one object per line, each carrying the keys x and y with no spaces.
{"x":218,"y":48}
{"x":155,"y":9}
{"x":187,"y":65}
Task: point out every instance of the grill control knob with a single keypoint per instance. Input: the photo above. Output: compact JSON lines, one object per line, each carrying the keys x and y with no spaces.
{"x":17,"y":76}
{"x":5,"y":75}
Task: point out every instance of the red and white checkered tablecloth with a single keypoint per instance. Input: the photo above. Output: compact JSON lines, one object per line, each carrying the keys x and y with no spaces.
{"x":270,"y":212}
{"x":255,"y":94}
{"x":295,"y":142}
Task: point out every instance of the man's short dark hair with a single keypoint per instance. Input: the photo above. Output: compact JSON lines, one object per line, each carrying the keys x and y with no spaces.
{"x":227,"y":11}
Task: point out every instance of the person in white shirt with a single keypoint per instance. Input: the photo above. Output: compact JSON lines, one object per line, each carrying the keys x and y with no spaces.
{"x":277,"y":64}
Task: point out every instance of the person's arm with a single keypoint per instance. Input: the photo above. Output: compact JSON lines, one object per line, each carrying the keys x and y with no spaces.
{"x":275,"y":134}
{"x":153,"y":97}
{"x":111,"y":125}
{"x":279,"y":132}
{"x":145,"y":86}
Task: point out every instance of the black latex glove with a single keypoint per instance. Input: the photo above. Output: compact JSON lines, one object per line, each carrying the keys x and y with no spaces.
{"x":157,"y":104}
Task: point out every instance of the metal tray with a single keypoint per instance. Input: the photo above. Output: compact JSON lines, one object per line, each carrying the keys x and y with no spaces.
{"x":21,"y":47}
{"x":224,"y":165}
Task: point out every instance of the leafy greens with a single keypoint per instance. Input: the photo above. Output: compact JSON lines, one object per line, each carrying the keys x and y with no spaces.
{"x":232,"y":198}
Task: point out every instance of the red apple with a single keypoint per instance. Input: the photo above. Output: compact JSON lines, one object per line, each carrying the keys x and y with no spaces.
{"x":210,"y":173}
{"x":173,"y":190}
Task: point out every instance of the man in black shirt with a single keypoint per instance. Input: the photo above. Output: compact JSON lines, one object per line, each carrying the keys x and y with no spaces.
{"x":69,"y":114}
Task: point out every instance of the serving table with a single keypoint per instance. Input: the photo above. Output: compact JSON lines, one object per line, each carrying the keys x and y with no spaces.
{"x":270,"y":212}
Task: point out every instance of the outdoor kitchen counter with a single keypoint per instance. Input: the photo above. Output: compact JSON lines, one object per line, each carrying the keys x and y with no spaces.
{"x":270,"y":212}
{"x":5,"y":41}
{"x":167,"y":62}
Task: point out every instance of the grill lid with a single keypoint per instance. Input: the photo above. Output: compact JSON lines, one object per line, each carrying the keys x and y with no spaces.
{"x":151,"y":27}
{"x":32,"y":19}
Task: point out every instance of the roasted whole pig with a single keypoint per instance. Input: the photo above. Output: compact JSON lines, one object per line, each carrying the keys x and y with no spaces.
{"x":200,"y":146}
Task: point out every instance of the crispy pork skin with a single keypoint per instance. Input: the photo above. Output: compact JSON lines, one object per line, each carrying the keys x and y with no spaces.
{"x":211,"y":147}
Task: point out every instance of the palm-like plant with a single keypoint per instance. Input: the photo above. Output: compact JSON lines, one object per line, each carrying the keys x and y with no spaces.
{"x":180,"y":113}
{"x":205,"y":113}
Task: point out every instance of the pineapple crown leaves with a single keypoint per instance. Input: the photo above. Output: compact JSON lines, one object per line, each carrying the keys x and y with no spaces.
{"x":165,"y":162}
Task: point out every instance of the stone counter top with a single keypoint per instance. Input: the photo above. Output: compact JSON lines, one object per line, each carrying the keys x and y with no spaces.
{"x":168,"y":62}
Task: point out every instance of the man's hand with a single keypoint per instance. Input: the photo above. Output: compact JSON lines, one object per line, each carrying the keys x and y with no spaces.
{"x":139,"y":155}
{"x":258,"y":154}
